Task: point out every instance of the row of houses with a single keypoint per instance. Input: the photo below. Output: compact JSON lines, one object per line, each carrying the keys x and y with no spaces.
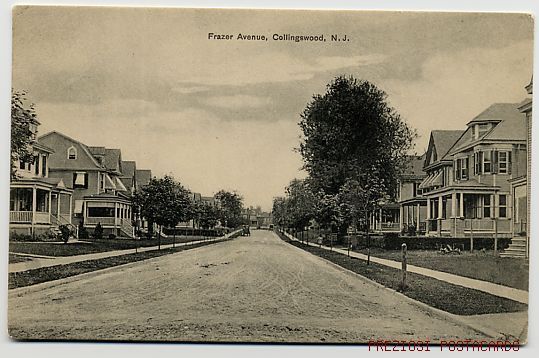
{"x":470,"y":183}
{"x":71,"y":183}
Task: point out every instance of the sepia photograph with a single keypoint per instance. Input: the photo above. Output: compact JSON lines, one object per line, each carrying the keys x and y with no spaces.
{"x":198,"y":175}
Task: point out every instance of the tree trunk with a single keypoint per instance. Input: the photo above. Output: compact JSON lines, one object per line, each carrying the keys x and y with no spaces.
{"x":159,"y":237}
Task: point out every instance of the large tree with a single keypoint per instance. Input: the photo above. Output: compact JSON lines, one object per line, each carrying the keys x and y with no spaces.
{"x":354,"y":148}
{"x":351,"y":132}
{"x":231,"y":205}
{"x":164,"y":202}
{"x":23,"y":129}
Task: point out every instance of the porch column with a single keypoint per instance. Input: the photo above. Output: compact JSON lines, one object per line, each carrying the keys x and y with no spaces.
{"x":440,"y":207}
{"x":453,"y":205}
{"x":115,"y":214}
{"x":401,"y":217}
{"x":34,"y":200}
{"x":50,"y":205}
{"x":70,"y":209}
{"x":418,"y":215}
{"x":461,"y":205}
{"x":58,"y":196}
{"x":428,"y":208}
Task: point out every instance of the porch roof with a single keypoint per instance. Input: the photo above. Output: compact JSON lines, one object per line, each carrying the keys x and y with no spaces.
{"x":468,"y":185}
{"x":107,"y":197}
{"x":50,"y":183}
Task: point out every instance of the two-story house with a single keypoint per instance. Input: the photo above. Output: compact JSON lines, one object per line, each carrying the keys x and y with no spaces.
{"x":38,"y":202}
{"x":520,"y":191}
{"x":413,"y":205}
{"x":470,"y":195}
{"x":99,"y":195}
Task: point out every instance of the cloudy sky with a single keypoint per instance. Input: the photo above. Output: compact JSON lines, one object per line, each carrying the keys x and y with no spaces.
{"x":224,"y":114}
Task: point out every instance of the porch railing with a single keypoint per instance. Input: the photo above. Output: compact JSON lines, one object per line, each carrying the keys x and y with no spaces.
{"x":388,"y":226}
{"x":104,"y":221}
{"x":479,"y":224}
{"x":27,"y":216}
{"x":20,"y":216}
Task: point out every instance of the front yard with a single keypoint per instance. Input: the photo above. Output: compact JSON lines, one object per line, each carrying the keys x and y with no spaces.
{"x":479,"y":265}
{"x":86,"y":247}
{"x":439,"y":294}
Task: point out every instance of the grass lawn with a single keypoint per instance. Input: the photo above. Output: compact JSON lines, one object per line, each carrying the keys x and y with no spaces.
{"x":45,"y":274}
{"x":439,"y":294}
{"x":89,"y":247}
{"x":480,"y":265}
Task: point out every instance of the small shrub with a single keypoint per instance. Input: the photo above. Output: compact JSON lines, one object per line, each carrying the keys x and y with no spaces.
{"x":14,"y":236}
{"x":112,"y":236}
{"x":65,"y":233}
{"x":98,"y":232}
{"x":83,"y":232}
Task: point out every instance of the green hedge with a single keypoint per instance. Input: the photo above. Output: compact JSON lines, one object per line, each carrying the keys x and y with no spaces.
{"x":393,"y":241}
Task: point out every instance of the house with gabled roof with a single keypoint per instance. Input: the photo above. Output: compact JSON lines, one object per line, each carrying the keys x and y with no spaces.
{"x":38,"y":203}
{"x":93,"y":173}
{"x":467,"y":188}
{"x":129,"y":175}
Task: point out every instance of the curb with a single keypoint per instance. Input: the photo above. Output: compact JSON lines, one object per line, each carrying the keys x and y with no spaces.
{"x":442,"y":314}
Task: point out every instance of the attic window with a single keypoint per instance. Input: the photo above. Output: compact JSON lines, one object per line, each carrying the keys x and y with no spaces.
{"x":482,"y":129}
{"x":72,"y":153}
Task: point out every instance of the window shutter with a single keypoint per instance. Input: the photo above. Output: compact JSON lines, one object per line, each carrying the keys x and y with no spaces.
{"x":509,"y":162}
{"x":457,"y":172}
{"x":494,"y":161}
{"x":74,"y":179}
{"x":468,"y":167}
{"x":86,"y":180}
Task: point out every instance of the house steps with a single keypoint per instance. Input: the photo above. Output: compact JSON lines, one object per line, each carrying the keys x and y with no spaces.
{"x":517,"y":248}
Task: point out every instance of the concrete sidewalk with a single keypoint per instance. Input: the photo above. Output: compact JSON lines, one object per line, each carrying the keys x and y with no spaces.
{"x":64,"y":260}
{"x":488,"y":287}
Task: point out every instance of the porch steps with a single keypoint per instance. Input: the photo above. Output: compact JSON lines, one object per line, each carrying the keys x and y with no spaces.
{"x":517,"y":248}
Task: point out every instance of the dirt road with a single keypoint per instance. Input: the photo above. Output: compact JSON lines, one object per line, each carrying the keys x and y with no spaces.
{"x":256,"y":289}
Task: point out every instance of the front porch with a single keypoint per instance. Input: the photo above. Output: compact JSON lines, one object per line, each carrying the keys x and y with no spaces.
{"x":386,"y":219}
{"x":113,"y":213}
{"x":38,"y":205}
{"x":468,"y":214}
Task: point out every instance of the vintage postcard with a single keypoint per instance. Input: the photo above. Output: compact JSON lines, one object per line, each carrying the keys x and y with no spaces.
{"x":219,"y":175}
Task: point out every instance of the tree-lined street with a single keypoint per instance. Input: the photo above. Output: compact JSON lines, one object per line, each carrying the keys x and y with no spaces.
{"x":250,"y":289}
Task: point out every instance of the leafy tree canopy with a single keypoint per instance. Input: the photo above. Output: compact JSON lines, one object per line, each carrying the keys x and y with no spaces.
{"x":351,"y":132}
{"x":23,"y":129}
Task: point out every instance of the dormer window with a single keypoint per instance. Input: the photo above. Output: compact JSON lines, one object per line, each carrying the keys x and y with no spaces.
{"x":72,"y":153}
{"x":479,"y":130}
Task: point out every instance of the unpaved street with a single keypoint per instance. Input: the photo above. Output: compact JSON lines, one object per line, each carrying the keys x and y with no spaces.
{"x":256,"y":288}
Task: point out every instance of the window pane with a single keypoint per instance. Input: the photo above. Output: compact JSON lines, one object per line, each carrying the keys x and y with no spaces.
{"x":503,"y":212}
{"x":101,"y":212}
{"x":486,"y":200}
{"x":79,"y":179}
{"x":503,"y":200}
{"x":486,"y":212}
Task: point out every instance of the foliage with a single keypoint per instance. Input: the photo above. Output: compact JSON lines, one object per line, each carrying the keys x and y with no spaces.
{"x":231,"y":205}
{"x":207,"y":215}
{"x":23,"y":127}
{"x":164,"y":202}
{"x":351,"y":132}
{"x":83,"y":233}
{"x":65,"y":233}
{"x":98,"y":232}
